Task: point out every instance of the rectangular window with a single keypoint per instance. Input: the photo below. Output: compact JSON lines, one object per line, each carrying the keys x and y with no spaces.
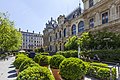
{"x":91,"y":23}
{"x":105,"y":18}
{"x":91,"y":2}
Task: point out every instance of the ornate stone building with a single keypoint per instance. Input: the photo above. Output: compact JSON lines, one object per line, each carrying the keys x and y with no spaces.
{"x":97,"y":15}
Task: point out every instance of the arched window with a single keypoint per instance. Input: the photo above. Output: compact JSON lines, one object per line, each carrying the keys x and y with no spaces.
{"x":91,"y":2}
{"x":74,"y":29}
{"x":65,"y":32}
{"x":81,"y":26}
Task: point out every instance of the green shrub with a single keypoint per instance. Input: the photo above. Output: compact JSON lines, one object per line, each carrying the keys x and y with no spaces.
{"x":20,"y":55}
{"x":44,"y":53}
{"x":72,"y":68}
{"x":104,"y":55}
{"x":100,"y":71}
{"x":37,"y":58}
{"x":49,"y":57}
{"x":27,"y":63}
{"x":67,"y":54}
{"x":56,"y":60}
{"x":104,"y":73}
{"x":35,"y":73}
{"x":18,"y":61}
{"x":43,"y":61}
{"x":99,"y":64}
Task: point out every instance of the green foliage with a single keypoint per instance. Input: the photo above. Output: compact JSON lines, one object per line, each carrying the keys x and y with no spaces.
{"x":37,"y":58}
{"x":67,"y":54}
{"x":72,"y":68}
{"x":100,"y":71}
{"x":44,"y":53}
{"x":20,"y":55}
{"x":104,"y":40}
{"x":71,"y":43}
{"x":104,"y":74}
{"x":18,"y":61}
{"x":10,"y":38}
{"x":84,"y":41}
{"x":35,"y":73}
{"x":27,"y":63}
{"x":56,"y":60}
{"x":49,"y":58}
{"x":43,"y":61}
{"x":39,"y":50}
{"x":104,"y":55}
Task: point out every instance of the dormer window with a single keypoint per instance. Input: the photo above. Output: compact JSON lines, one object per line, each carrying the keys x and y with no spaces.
{"x":91,"y":3}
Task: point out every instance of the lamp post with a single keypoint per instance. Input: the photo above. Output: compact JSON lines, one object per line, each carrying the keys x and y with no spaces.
{"x":79,"y":51}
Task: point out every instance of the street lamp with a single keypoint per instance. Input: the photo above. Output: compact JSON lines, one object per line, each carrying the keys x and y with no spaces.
{"x":79,"y":51}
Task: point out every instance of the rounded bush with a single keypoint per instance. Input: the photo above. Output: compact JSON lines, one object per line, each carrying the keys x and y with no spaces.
{"x":20,"y":55}
{"x":37,"y":58}
{"x":72,"y":68}
{"x":35,"y":73}
{"x":27,"y":63}
{"x":56,"y":60}
{"x":18,"y":61}
{"x":43,"y":61}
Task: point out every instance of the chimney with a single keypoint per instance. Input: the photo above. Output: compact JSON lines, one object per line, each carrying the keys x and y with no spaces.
{"x":27,"y":30}
{"x":33,"y":31}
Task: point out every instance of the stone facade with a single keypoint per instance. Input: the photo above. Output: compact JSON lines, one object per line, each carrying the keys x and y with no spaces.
{"x":31,"y":40}
{"x":97,"y":15}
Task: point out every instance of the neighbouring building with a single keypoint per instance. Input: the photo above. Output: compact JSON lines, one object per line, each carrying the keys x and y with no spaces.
{"x":97,"y":15}
{"x":31,"y":40}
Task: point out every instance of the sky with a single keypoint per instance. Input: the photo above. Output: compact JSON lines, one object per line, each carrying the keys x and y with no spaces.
{"x":34,"y":14}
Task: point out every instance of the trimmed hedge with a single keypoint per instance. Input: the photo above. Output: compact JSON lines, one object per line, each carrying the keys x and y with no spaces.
{"x":100,"y":71}
{"x":56,"y":60}
{"x":104,"y":55}
{"x":35,"y":73}
{"x":18,"y":61}
{"x":67,"y":54}
{"x":72,"y":68}
{"x":20,"y":55}
{"x":27,"y":63}
{"x":43,"y":61}
{"x":37,"y":58}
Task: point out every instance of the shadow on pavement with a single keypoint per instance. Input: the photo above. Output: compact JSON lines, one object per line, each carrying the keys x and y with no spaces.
{"x":12,"y":71}
{"x":11,"y":66}
{"x":12,"y":75}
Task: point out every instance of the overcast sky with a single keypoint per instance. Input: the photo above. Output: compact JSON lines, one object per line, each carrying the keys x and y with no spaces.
{"x":33,"y":14}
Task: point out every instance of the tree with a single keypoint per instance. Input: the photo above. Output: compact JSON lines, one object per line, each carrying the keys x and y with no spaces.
{"x":72,"y":43}
{"x":10,"y":38}
{"x":84,"y":41}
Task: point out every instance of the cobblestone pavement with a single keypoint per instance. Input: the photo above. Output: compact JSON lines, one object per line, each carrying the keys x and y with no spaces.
{"x":7,"y":70}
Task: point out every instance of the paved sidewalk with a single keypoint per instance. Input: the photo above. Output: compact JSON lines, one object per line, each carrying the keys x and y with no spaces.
{"x":7,"y":70}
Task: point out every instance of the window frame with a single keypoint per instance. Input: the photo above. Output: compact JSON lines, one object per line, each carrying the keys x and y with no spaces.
{"x":81,"y":27}
{"x":91,"y":22}
{"x":73,"y":30}
{"x":91,"y":3}
{"x":105,"y":16}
